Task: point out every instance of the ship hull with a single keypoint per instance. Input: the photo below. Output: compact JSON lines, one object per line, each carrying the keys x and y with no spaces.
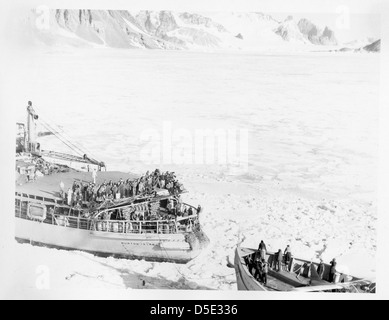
{"x":175,"y":248}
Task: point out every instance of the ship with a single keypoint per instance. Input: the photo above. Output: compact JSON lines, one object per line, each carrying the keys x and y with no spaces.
{"x":299,"y":275}
{"x":140,"y":226}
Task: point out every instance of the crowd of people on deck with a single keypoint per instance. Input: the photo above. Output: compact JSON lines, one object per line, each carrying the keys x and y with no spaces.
{"x":151,"y":211}
{"x":284,"y":260}
{"x":149,"y":217}
{"x":81,"y":192}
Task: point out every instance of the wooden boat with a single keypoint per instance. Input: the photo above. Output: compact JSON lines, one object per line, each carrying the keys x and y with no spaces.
{"x":134,"y":228}
{"x":299,"y":276}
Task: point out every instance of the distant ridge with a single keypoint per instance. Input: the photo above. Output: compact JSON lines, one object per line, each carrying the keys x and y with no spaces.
{"x":374,"y":47}
{"x":168,"y":30}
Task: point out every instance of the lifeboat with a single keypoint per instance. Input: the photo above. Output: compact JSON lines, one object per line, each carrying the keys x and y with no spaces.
{"x":298,"y":275}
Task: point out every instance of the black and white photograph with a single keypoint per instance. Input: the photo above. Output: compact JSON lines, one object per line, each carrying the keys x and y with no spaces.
{"x":177,"y":149}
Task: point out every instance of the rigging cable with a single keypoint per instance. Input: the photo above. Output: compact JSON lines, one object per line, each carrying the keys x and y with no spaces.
{"x":57,"y":131}
{"x":66,"y":141}
{"x":58,"y":134}
{"x":68,"y":144}
{"x":76,"y":143}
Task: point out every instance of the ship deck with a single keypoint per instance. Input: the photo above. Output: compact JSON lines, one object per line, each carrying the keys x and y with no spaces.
{"x":49,"y":186}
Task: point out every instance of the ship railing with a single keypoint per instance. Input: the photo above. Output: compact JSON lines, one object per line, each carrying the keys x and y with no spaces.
{"x":73,"y":219}
{"x":182,"y":225}
{"x":132,"y":205}
{"x":125,"y":226}
{"x":42,"y":200}
{"x":21,"y":209}
{"x":175,"y":226}
{"x":71,"y":222}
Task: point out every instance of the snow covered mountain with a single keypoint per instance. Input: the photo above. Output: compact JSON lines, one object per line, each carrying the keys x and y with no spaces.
{"x":307,"y":32}
{"x":289,"y":31}
{"x":357,"y":46}
{"x":360,"y":43}
{"x":178,"y":31}
{"x":374,"y":47}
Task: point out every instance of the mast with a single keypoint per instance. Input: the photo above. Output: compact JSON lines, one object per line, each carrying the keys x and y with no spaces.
{"x":31,"y":128}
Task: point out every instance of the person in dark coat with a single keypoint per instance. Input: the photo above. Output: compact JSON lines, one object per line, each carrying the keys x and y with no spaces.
{"x":126,"y":189}
{"x":85,"y":194}
{"x":74,"y":186}
{"x":320,"y":269}
{"x":110,"y":195}
{"x":170,"y":207}
{"x":95,"y":189}
{"x":332,"y":271}
{"x":265,"y":271}
{"x":288,"y":256}
{"x":89,"y":193}
{"x":140,"y":189}
{"x":278,"y":260}
{"x":262,"y":245}
{"x":258,"y":267}
{"x":131,"y":189}
{"x":114,"y":190}
{"x":199,"y":211}
{"x":332,"y":277}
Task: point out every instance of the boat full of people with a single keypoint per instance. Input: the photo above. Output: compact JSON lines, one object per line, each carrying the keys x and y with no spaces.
{"x":74,"y":203}
{"x":262,"y":270}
